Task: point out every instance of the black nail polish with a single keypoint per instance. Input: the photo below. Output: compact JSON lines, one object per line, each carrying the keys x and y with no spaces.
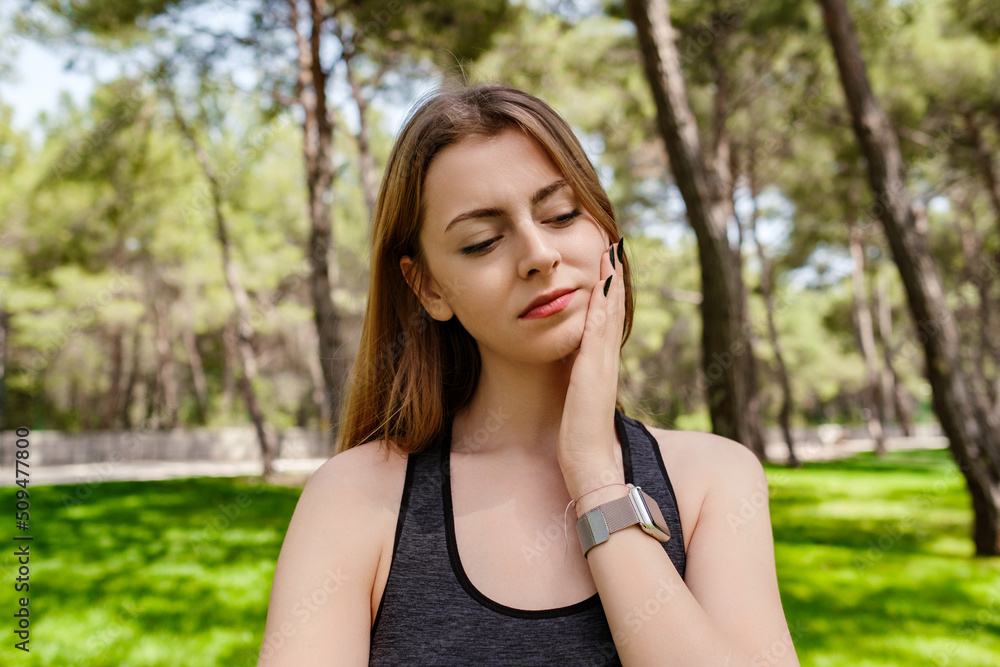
{"x":611,"y":253}
{"x":607,"y":284}
{"x":621,"y":251}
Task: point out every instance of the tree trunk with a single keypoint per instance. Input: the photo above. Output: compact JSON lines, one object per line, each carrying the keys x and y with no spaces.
{"x":984,"y":162}
{"x":229,"y":364}
{"x":989,"y":346}
{"x":369,"y":170}
{"x":125,"y":410}
{"x":167,"y":383}
{"x":897,"y":402}
{"x":725,"y":338}
{"x":244,"y":331}
{"x":114,"y":391}
{"x":308,"y":334}
{"x":974,"y":441}
{"x":197,"y":370}
{"x":866,"y":336}
{"x":981,"y":349}
{"x":317,"y":131}
{"x":766,"y":289}
{"x":883,"y":336}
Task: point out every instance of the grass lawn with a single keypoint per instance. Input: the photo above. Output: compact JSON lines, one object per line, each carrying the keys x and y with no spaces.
{"x":874,"y":563}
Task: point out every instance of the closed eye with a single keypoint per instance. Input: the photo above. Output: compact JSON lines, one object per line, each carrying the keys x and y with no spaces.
{"x":568,"y":216}
{"x":559,"y":221}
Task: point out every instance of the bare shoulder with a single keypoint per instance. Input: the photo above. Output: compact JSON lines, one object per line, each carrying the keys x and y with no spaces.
{"x":348,"y":504}
{"x":322,"y":588}
{"x":371,"y":473}
{"x":706,"y":466}
{"x":707,"y":455}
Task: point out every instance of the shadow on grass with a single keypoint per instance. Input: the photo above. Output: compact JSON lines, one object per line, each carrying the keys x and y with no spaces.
{"x":875,"y":566}
{"x":873,"y":557}
{"x":153,"y":573}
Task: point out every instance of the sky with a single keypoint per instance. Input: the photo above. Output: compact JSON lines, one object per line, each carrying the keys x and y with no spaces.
{"x":39,"y":78}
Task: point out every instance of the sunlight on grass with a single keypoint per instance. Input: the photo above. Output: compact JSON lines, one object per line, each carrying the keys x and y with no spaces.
{"x":873,"y":556}
{"x":874,"y":563}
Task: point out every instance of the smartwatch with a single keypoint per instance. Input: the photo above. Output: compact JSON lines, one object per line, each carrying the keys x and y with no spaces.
{"x":596,"y":525}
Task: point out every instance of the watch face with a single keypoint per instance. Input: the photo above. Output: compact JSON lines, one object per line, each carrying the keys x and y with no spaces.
{"x":650,"y":517}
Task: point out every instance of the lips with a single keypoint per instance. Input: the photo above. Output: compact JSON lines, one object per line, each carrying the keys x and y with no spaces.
{"x":546,"y":298}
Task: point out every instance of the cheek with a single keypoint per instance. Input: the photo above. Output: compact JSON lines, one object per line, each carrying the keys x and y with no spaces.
{"x":454,"y":286}
{"x":478,"y":304}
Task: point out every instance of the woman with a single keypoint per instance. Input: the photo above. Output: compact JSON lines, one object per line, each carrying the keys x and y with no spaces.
{"x":482,"y":407}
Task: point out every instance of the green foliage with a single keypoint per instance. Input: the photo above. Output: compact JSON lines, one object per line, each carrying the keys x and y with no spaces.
{"x":116,"y":21}
{"x":448,"y":32}
{"x":981,"y":16}
{"x":111,"y":214}
{"x":117,"y":215}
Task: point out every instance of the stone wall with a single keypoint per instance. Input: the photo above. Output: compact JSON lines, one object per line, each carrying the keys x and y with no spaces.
{"x":238,"y":443}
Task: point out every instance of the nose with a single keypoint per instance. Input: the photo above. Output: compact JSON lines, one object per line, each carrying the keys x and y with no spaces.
{"x":539,"y":252}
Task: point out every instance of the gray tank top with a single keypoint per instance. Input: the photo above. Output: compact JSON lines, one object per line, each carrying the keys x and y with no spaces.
{"x":431,"y":614}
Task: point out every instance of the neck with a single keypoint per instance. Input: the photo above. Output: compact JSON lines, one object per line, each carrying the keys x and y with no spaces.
{"x":516,"y":410}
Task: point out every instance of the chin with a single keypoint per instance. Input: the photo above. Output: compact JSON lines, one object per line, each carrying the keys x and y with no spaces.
{"x":566,"y":348}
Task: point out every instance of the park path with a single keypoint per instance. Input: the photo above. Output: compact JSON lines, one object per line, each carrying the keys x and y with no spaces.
{"x":297,"y":470}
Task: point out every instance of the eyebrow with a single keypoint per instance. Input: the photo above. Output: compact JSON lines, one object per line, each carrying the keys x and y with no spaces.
{"x":493,"y":212}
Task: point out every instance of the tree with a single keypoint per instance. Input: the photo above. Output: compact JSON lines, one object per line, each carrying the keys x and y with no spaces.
{"x":973,"y":434}
{"x":706,"y":185}
{"x":244,"y":332}
{"x":365,"y":27}
{"x":297,"y":46}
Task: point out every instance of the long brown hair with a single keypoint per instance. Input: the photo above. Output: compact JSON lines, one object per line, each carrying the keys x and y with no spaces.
{"x":412,"y":372}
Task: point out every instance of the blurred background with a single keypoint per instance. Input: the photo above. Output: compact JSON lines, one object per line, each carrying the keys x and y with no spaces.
{"x":810,"y":196}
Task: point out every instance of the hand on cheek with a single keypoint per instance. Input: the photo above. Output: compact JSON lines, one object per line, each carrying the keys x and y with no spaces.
{"x":587,"y":431}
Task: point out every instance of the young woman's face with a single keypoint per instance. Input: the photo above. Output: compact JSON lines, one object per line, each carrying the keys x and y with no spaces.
{"x":501,"y":228}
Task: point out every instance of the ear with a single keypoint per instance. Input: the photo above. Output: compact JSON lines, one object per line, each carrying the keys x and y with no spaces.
{"x":430,"y":296}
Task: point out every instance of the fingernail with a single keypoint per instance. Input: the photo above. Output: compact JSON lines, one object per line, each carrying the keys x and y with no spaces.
{"x":611,"y":253}
{"x":607,"y":284}
{"x":621,"y":251}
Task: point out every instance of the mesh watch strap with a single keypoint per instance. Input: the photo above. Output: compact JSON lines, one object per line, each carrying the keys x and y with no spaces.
{"x":596,"y":525}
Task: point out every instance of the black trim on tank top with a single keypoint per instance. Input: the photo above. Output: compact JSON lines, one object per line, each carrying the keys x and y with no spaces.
{"x":456,"y":561}
{"x":626,"y":449}
{"x":404,"y":503}
{"x":666,"y":478}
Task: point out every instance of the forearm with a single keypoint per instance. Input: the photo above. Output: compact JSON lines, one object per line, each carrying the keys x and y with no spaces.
{"x":654,"y":618}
